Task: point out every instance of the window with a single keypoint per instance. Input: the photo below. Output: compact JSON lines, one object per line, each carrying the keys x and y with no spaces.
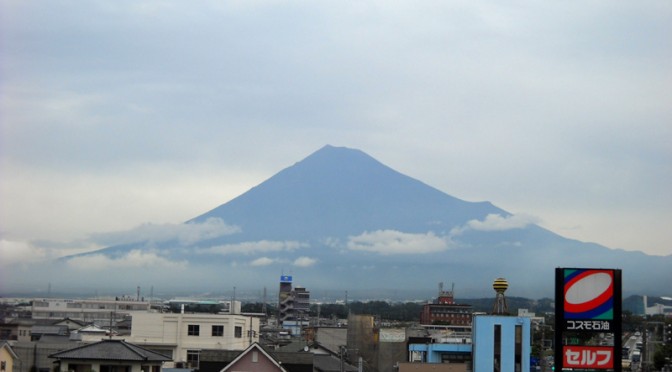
{"x":239,"y":332}
{"x":217,"y":330}
{"x":193,"y":330}
{"x":192,"y":358}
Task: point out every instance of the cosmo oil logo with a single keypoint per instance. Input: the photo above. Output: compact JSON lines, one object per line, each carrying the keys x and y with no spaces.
{"x":589,"y":294}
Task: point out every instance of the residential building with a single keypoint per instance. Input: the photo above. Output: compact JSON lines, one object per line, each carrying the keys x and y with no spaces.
{"x":8,"y":357}
{"x":256,"y":358}
{"x":182,"y":336}
{"x":293,"y":305}
{"x":17,"y":329}
{"x":34,"y":355}
{"x":108,"y":356}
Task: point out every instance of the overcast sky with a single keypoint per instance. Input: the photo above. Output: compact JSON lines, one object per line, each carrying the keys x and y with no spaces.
{"x":115,"y":114}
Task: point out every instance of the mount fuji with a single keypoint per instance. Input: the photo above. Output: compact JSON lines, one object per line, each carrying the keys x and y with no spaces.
{"x":340,"y":220}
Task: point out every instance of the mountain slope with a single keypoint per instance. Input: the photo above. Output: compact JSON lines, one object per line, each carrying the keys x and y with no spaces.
{"x":339,"y":191}
{"x":341,"y":220}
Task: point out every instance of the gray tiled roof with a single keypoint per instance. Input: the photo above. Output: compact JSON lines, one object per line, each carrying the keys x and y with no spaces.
{"x":49,"y":330}
{"x":111,"y":350}
{"x":328,"y":363}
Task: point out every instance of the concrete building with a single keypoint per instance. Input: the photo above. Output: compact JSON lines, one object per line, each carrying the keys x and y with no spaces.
{"x":90,"y":310}
{"x":203,"y":306}
{"x":444,"y":310}
{"x":658,"y":308}
{"x":441,"y":344}
{"x":293,"y":305}
{"x":183,"y":336}
{"x":501,"y":343}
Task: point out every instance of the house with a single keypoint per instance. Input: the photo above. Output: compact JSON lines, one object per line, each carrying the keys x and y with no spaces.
{"x":108,"y":356}
{"x":39,"y":331}
{"x":255,"y":358}
{"x":17,"y":329}
{"x":90,"y":333}
{"x":324,"y":359}
{"x":71,"y":324}
{"x":7,"y":357}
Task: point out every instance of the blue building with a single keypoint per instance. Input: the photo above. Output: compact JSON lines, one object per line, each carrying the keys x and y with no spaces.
{"x":498,"y":343}
{"x":501,"y":343}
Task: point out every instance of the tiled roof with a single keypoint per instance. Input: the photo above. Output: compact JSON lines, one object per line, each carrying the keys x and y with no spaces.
{"x":329,"y":363}
{"x":49,"y":330}
{"x":111,"y":350}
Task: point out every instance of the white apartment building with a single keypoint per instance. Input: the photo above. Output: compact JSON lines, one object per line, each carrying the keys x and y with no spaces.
{"x":183,"y":336}
{"x":88,"y":311}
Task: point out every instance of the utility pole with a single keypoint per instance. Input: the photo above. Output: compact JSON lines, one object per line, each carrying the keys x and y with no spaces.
{"x":542,"y":360}
{"x":645,"y":354}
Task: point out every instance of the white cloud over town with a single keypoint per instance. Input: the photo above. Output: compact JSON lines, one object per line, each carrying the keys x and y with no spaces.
{"x":135,"y":259}
{"x":304,"y":261}
{"x":496,"y":222}
{"x":263,"y":261}
{"x":252,"y":247}
{"x":391,"y":242}
{"x":184,"y":233}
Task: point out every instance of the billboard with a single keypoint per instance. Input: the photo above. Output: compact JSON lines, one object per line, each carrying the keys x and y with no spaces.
{"x":588,"y":306}
{"x":588,"y":299}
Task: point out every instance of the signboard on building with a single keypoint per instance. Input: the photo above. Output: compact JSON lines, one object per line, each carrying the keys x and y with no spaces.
{"x":589,"y":304}
{"x":588,"y":357}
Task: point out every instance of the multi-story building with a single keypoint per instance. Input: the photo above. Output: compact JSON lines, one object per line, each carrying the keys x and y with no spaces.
{"x":182,"y":336}
{"x":293,"y":303}
{"x":90,"y":310}
{"x":445,"y":311}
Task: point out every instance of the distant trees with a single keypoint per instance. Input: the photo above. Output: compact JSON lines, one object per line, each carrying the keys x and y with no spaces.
{"x":403,"y":312}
